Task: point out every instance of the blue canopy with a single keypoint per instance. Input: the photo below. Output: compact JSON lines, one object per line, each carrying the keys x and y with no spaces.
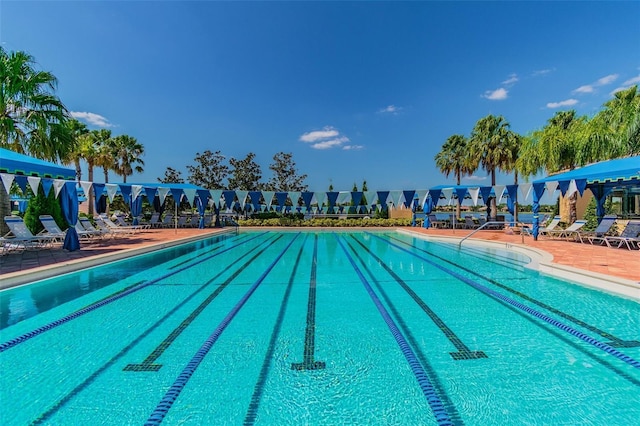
{"x":19,"y":164}
{"x":600,"y":178}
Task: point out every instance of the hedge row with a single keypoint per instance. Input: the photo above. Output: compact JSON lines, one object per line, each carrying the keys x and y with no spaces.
{"x":326,"y":222}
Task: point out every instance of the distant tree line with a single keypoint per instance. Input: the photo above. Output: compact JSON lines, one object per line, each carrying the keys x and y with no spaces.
{"x":212,"y":171}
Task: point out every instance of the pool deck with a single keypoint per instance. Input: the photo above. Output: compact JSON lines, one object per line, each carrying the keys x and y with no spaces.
{"x":599,"y":260}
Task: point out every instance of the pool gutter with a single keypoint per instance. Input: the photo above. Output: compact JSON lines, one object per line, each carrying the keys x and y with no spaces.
{"x":542,"y":261}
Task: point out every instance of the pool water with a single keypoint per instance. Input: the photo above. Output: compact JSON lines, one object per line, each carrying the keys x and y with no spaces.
{"x":318,"y":328}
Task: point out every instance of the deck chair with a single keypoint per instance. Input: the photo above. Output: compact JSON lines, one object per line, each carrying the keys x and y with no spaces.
{"x":51,"y":228}
{"x":110,"y":227}
{"x":20,"y":236}
{"x":154,"y":222}
{"x":121,"y":222}
{"x":600,"y":232}
{"x":569,"y":231}
{"x":469,"y":223}
{"x":88,"y":226}
{"x":550,"y":227}
{"x":167,"y":221}
{"x":435,"y":222}
{"x":117,"y":226}
{"x":629,"y":236}
{"x":85,"y":234}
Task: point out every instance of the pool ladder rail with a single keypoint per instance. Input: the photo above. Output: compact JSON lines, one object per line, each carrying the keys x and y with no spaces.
{"x":494,"y":223}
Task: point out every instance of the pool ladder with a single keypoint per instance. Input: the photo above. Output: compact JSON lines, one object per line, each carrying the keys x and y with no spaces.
{"x":487,"y":224}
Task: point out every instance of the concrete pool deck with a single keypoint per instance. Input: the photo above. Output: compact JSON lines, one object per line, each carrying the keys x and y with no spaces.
{"x":600,"y":260}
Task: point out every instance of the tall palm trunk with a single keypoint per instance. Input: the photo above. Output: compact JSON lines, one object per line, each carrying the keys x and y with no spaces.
{"x":515,"y":202}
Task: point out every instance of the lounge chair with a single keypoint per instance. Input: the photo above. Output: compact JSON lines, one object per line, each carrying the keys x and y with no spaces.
{"x":154,"y":222}
{"x":437,"y":223}
{"x":121,"y":222}
{"x":469,"y":223}
{"x":105,"y":224}
{"x":167,"y":221}
{"x":51,"y":228}
{"x":85,"y":234}
{"x":20,"y":236}
{"x":88,"y":226}
{"x":569,"y":231}
{"x":118,"y":226}
{"x":629,"y":236}
{"x":600,"y":232}
{"x":550,"y":227}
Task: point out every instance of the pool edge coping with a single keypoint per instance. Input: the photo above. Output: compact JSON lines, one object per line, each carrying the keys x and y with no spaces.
{"x":18,"y":278}
{"x":542,"y":261}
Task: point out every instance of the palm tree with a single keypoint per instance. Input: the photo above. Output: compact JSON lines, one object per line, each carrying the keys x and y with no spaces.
{"x":489,"y":147}
{"x":127,"y":154}
{"x":454,"y":158}
{"x":557,"y":147}
{"x":104,"y":156}
{"x":77,"y":129}
{"x":32,"y":119}
{"x":614,"y":130}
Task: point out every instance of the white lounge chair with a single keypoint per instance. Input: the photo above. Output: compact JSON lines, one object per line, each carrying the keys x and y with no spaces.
{"x":550,"y":227}
{"x":570,"y":231}
{"x":20,"y":236}
{"x":51,"y":228}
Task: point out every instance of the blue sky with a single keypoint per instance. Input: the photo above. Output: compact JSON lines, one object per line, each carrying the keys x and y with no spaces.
{"x":355,"y":90}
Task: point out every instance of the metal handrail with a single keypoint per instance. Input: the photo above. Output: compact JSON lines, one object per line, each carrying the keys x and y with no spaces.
{"x":482,"y":226}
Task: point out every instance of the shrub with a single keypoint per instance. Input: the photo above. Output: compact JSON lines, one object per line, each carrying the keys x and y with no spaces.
{"x":39,"y":205}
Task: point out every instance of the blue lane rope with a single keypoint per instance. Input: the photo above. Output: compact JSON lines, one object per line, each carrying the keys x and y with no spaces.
{"x":437,"y":407}
{"x":174,"y":391}
{"x":23,"y":338}
{"x":582,"y":336}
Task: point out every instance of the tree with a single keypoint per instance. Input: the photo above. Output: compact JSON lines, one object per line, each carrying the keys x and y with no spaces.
{"x":614,"y":132}
{"x":454,"y":158}
{"x":171,"y":175}
{"x":285,"y":175}
{"x":489,"y":147}
{"x":32,"y":118}
{"x":245,"y":174}
{"x":556,"y":147}
{"x":210,"y":172}
{"x":77,"y":130}
{"x":105,"y":156}
{"x":127,"y":154}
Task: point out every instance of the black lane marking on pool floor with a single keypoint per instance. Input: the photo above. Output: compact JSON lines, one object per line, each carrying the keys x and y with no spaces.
{"x":424,"y":381}
{"x":500,"y":297}
{"x":258,"y":389}
{"x":23,"y":338}
{"x":309,"y":362}
{"x":181,"y":381}
{"x":232,"y":239}
{"x":91,"y":378}
{"x":614,"y":341}
{"x":148,"y":363}
{"x":432,"y":374}
{"x":463,"y":353}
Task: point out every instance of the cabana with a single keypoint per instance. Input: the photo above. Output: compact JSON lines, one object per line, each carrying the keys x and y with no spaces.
{"x":600,"y":178}
{"x":132,"y":194}
{"x":23,"y":170}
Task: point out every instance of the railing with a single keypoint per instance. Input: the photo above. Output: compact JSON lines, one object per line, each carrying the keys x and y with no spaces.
{"x":487,"y":224}
{"x":229,"y":221}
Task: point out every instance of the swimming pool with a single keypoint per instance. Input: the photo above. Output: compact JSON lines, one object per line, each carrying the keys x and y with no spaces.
{"x":318,"y":328}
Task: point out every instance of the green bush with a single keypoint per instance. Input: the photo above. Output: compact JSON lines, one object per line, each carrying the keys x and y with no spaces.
{"x":325,"y":222}
{"x":43,"y":205}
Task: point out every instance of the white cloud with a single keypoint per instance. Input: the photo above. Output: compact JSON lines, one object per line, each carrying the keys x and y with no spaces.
{"x":632,"y":81}
{"x":331,"y":143}
{"x":513,"y":78}
{"x":541,"y":72}
{"x":584,"y":89}
{"x":607,"y":80}
{"x":316,"y":135}
{"x":568,"y":102}
{"x":352,"y":147}
{"x":496,"y":95}
{"x":91,"y":118}
{"x":475,"y":177}
{"x":391,"y":109}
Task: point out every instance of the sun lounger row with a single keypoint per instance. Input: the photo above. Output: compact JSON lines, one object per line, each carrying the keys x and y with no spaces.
{"x":629,"y":237}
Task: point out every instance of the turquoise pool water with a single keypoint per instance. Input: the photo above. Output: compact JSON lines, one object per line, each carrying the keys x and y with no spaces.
{"x":320,"y":329}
